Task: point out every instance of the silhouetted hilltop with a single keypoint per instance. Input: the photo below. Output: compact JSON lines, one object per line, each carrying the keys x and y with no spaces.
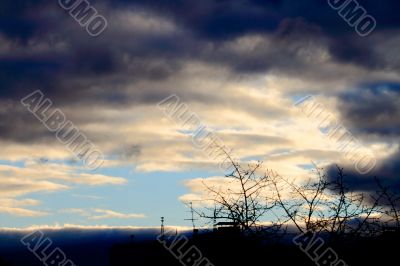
{"x":239,"y":250}
{"x":141,"y":247}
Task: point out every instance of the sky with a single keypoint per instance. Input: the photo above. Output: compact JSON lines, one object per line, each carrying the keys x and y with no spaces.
{"x":240,"y":66}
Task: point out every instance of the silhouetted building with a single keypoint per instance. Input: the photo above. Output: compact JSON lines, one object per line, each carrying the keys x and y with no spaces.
{"x":228,"y":228}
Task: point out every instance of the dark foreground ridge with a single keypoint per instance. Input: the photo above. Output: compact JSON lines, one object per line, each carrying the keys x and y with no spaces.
{"x":136,"y":248}
{"x":236,"y":250}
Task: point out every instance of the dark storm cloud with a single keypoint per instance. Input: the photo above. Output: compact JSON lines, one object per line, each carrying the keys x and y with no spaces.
{"x":89,"y":73}
{"x":219,"y":19}
{"x":83,"y":67}
{"x":155,"y":57}
{"x":76,"y":69}
{"x":373,"y":111}
{"x":351,"y":49}
{"x":18,"y":74}
{"x":17,"y":124}
{"x":374,"y":108}
{"x":18,"y":20}
{"x":387,"y":171}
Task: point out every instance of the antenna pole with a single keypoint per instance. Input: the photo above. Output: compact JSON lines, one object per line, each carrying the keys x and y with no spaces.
{"x":192,"y":211}
{"x":192,"y":214}
{"x":162,"y":228}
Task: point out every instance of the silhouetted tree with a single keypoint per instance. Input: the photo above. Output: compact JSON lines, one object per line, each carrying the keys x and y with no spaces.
{"x":349,"y":211}
{"x":303,"y":207}
{"x":389,"y":199}
{"x":243,"y":200}
{"x":319,"y":205}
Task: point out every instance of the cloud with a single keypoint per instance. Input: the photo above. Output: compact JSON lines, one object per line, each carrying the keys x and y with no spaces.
{"x":14,"y":186}
{"x":92,"y":197}
{"x":53,"y":172}
{"x":16,"y":207}
{"x":16,"y":182}
{"x":245,"y":37}
{"x":108,"y":214}
{"x":374,"y":108}
{"x":371,"y":111}
{"x":74,"y":227}
{"x":237,"y":64}
{"x":202,"y":191}
{"x":22,"y":212}
{"x":78,"y":211}
{"x":102,"y":214}
{"x":387,"y":171}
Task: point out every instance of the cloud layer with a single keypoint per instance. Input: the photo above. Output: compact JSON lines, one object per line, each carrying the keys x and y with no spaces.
{"x":239,"y":65}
